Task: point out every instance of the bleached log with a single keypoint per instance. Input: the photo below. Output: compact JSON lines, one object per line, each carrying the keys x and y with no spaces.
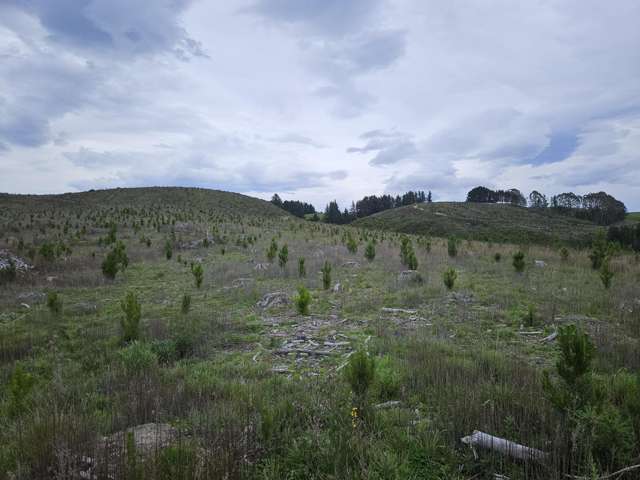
{"x":501,"y":445}
{"x":550,"y":338}
{"x":398,"y":310}
{"x":286,"y":351}
{"x":389,"y":404}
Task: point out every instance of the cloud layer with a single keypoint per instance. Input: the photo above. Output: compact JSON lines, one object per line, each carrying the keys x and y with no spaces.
{"x":321,"y":99}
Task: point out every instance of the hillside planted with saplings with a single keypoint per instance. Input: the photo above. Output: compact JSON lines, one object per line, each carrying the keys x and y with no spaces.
{"x":195,"y":334}
{"x":484,"y":221}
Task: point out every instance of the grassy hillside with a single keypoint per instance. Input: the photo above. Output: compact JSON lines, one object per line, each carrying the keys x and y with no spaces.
{"x":482,"y":221}
{"x":221,"y":374}
{"x":633,"y":216}
{"x":165,"y":198}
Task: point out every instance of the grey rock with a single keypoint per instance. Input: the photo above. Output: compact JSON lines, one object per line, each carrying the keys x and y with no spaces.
{"x":274,"y":299}
{"x":408,"y":277}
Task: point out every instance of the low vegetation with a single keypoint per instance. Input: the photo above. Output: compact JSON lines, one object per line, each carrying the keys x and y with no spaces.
{"x":223,"y":361}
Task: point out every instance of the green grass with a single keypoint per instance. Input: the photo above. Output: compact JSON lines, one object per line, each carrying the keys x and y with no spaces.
{"x":633,"y":216}
{"x":479,"y":221}
{"x":470,"y":358}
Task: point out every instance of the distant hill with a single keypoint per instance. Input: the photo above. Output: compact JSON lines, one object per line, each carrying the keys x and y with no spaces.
{"x":217,"y":201}
{"x":483,"y":221}
{"x":633,"y":216}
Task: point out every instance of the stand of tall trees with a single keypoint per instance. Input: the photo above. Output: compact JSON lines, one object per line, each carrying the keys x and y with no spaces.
{"x":373,"y":204}
{"x":295,"y":207}
{"x":486,"y":195}
{"x":600,"y":208}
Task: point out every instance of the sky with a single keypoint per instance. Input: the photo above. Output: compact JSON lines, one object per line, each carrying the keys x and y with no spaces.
{"x":321,"y":99}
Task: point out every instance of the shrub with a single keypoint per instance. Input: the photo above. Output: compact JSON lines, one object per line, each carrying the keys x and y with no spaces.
{"x":412,"y":261}
{"x":54,"y":303}
{"x":497,"y":257}
{"x":115,"y":261}
{"x":272,"y":250}
{"x":47,"y":251}
{"x":283,"y":256}
{"x":407,"y":255}
{"x":360,"y":373}
{"x":518,"y":261}
{"x":168,"y":249}
{"x":606,"y":274}
{"x":352,"y":244}
{"x":326,"y":275}
{"x":130,"y":322}
{"x":302,"y":270}
{"x":564,"y":254}
{"x":530,"y":316}
{"x":370,"y":251}
{"x":606,"y":435}
{"x":198,"y":274}
{"x":452,"y":246}
{"x":19,"y":389}
{"x":302,"y":300}
{"x":600,"y":249}
{"x":449,"y":276}
{"x":387,"y":379}
{"x":574,"y":369}
{"x":186,"y":303}
{"x":138,"y":358}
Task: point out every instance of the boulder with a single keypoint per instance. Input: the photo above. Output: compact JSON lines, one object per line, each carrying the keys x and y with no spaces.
{"x":31,"y":298}
{"x":241,"y":282}
{"x":84,"y":308}
{"x":337,"y":288}
{"x":6,"y":258}
{"x":351,"y":264}
{"x":274,"y":299}
{"x":410,"y":277}
{"x":540,"y":263}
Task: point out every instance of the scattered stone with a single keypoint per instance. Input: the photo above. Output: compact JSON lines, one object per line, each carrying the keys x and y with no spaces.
{"x":31,"y":297}
{"x":280,"y":369}
{"x":389,"y":404}
{"x":241,"y":282}
{"x":6,"y":258}
{"x":410,"y":277}
{"x":261,"y":266}
{"x":84,"y":308}
{"x":147,"y":438}
{"x":274,"y":299}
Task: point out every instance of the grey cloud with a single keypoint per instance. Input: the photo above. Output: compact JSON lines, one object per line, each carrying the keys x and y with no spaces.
{"x":297,"y":139}
{"x":119,"y":27}
{"x":391,"y":147}
{"x":328,"y":17}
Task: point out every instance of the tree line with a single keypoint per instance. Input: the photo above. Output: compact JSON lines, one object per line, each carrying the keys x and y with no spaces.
{"x":364,"y":207}
{"x":294,"y":207}
{"x":372,"y":204}
{"x":600,"y":207}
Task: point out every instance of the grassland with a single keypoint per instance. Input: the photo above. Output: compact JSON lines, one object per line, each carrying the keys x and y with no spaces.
{"x":483,"y":221}
{"x":633,"y":216}
{"x":261,"y":393}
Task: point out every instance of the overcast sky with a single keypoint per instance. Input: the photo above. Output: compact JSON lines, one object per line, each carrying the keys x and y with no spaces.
{"x":321,"y":99}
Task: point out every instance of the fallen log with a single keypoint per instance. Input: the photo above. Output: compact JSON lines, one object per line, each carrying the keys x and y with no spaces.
{"x":398,"y":310}
{"x":286,"y":351}
{"x":501,"y":445}
{"x":550,"y":338}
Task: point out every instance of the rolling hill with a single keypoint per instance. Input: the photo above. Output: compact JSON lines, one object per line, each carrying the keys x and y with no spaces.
{"x":179,"y":198}
{"x":482,"y":221}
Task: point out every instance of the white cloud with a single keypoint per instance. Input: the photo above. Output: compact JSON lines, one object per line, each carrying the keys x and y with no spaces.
{"x":261,"y":95}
